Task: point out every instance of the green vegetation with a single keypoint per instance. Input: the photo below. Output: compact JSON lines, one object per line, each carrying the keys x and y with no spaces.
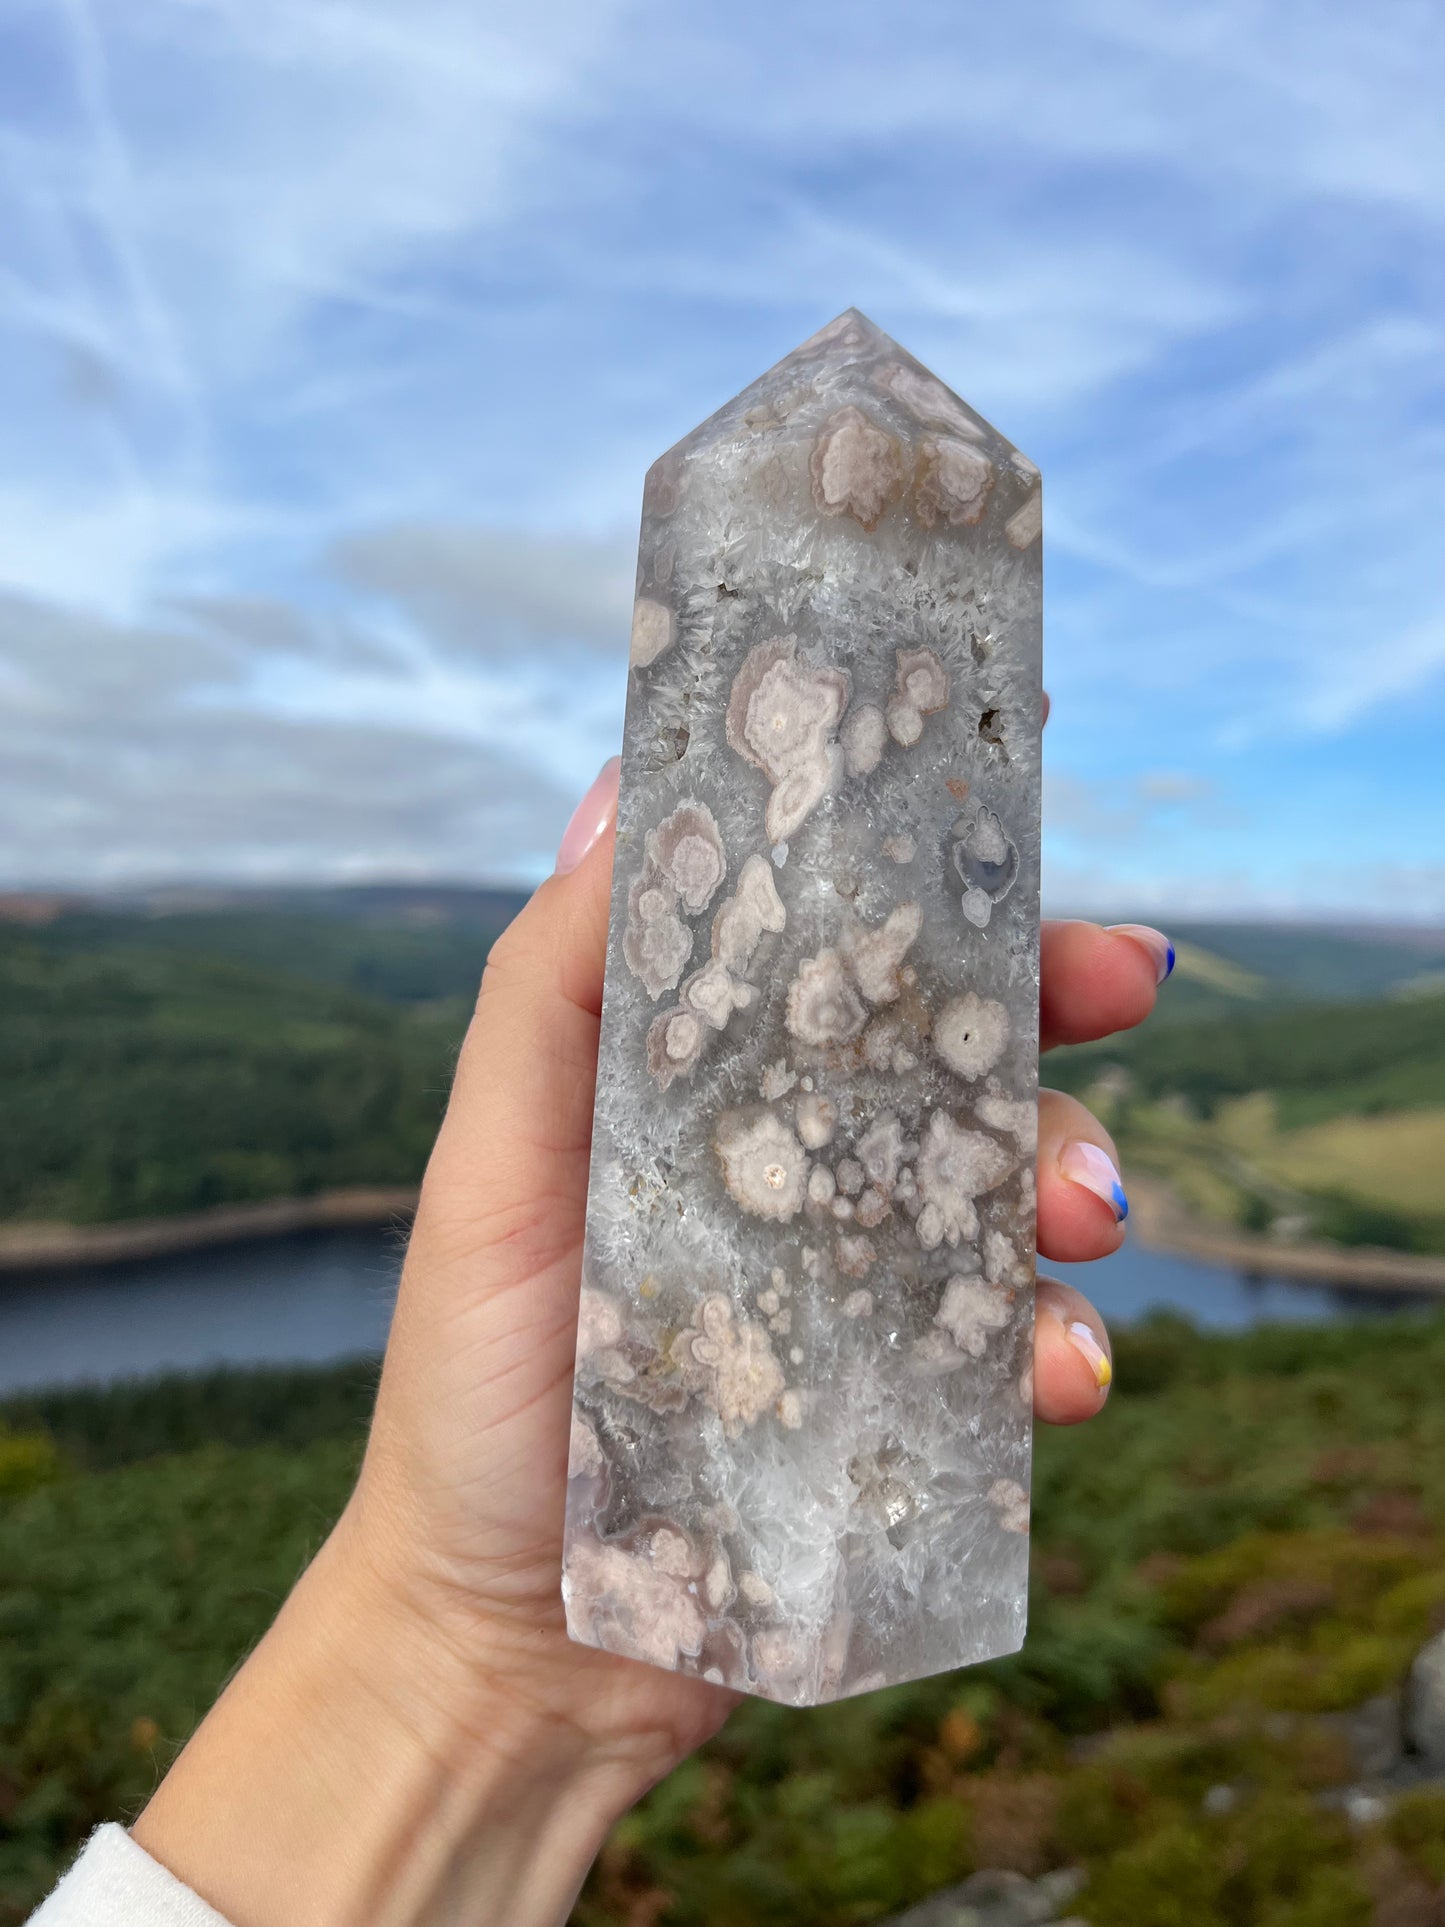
{"x":142,"y":1081}
{"x":159,"y":1063}
{"x":1318,"y":1118}
{"x":412,"y":951}
{"x":1250,"y":1542}
{"x":1320,"y":1060}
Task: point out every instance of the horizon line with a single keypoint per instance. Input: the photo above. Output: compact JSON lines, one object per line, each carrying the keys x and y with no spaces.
{"x":29,"y":902}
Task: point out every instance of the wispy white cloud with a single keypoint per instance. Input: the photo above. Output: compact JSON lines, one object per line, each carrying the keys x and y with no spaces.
{"x":110,"y":194}
{"x":493,"y":593}
{"x":1374,"y":671}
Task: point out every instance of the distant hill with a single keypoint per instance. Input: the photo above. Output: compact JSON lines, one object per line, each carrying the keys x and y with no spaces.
{"x":419,"y":903}
{"x":1315,"y":962}
{"x":405,"y":944}
{"x":151,"y":1080}
{"x":1319,"y":1060}
{"x":410,"y":942}
{"x":1225,"y":967}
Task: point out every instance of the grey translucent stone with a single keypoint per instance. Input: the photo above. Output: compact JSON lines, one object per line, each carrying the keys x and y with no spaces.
{"x":802,"y":1420}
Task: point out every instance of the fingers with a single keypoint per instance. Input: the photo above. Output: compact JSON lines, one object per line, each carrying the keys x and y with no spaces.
{"x":510,"y":1164}
{"x":1082,"y":1205}
{"x":1073,"y":1364}
{"x":1094,"y":982}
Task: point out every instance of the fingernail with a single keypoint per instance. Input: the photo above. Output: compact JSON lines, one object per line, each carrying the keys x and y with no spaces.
{"x":591,"y":817}
{"x":1084,"y":1341}
{"x":1161,"y":951}
{"x":1084,"y":1163}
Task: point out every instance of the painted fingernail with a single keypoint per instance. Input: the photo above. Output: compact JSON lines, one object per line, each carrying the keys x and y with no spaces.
{"x":1084,"y":1341}
{"x":1084,"y":1163}
{"x":591,"y":817}
{"x":1161,"y":951}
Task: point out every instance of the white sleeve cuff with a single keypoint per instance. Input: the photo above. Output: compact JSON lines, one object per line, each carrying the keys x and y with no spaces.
{"x":115,"y":1883}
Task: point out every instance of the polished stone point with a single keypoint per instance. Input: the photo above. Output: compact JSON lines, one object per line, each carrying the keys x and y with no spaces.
{"x":802,"y":1420}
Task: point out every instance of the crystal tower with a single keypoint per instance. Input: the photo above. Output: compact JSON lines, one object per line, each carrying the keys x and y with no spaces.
{"x":802,"y":1419}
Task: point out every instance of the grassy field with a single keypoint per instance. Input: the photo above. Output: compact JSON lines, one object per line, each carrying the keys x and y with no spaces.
{"x":1394,"y":1159}
{"x":1391,"y":1159}
{"x":1249,"y":1544}
{"x":1318,"y":1120}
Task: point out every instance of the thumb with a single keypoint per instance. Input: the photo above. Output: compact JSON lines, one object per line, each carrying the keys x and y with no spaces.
{"x":508,"y":1176}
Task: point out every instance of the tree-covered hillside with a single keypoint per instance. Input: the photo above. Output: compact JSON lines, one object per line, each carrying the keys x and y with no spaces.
{"x":146,"y":1080}
{"x":405,"y":946}
{"x":1319,"y":1060}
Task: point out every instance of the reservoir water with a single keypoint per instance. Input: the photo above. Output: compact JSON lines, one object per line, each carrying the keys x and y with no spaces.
{"x":325,"y":1295}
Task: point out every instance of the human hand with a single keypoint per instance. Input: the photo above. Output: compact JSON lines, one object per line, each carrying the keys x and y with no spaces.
{"x":460,"y":1757}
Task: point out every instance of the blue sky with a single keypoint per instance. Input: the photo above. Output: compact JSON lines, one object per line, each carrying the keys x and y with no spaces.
{"x":336,"y":335}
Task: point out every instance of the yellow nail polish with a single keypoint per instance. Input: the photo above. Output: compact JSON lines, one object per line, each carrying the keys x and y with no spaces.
{"x":1084,"y":1341}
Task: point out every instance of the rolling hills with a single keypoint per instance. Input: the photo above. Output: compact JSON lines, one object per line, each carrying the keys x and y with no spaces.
{"x":200,"y":1048}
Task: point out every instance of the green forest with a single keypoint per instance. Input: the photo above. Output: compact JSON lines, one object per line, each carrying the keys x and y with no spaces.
{"x":147,"y":1078}
{"x":1248,"y":1546}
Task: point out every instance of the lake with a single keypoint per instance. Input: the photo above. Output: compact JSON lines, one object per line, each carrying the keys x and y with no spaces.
{"x":325,"y":1295}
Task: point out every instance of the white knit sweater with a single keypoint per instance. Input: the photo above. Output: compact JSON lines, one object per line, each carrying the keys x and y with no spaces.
{"x":115,"y":1883}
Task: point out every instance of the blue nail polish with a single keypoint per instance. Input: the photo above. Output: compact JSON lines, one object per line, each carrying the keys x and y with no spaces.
{"x":1169,"y":962}
{"x":1090,"y":1165}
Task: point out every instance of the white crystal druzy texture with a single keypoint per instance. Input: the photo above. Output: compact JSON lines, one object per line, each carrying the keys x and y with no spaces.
{"x":801,"y":1434}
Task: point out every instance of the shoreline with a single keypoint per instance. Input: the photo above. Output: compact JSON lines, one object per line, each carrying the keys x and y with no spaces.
{"x":62,"y":1247}
{"x":1164,"y":1225}
{"x":1160,"y":1223}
